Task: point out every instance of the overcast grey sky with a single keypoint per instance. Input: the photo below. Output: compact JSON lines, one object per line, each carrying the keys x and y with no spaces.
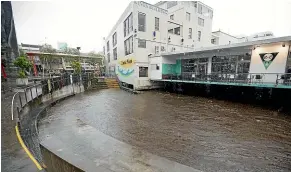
{"x":85,"y":23}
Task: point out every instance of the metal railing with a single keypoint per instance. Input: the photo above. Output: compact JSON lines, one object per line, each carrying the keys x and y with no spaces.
{"x":24,"y":96}
{"x":243,"y":78}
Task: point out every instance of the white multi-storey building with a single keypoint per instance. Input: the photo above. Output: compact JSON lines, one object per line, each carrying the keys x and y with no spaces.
{"x":145,"y":30}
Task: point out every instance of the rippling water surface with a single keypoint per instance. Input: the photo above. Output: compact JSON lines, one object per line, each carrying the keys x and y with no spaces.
{"x":206,"y":134}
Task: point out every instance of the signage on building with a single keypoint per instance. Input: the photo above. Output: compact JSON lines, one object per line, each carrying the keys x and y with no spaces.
{"x":126,"y":66}
{"x":268,"y":58}
{"x":152,"y":7}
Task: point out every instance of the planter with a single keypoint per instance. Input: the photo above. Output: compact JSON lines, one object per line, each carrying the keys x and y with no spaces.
{"x":22,"y":81}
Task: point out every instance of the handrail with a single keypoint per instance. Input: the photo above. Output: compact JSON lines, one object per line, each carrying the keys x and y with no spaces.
{"x":12,"y":117}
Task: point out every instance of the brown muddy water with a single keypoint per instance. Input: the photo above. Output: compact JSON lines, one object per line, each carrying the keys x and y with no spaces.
{"x":206,"y":134}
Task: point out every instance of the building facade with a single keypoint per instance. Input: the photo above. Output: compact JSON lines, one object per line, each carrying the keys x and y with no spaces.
{"x":145,"y":30}
{"x":222,"y":38}
{"x":263,"y":62}
{"x":9,"y":46}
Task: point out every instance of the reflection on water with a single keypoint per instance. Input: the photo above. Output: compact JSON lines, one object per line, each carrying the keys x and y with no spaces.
{"x":203,"y":133}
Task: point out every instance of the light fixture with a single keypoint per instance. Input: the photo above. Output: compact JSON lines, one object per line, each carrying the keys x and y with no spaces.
{"x":283,"y":45}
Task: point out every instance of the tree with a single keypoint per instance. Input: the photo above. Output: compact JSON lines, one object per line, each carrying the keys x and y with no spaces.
{"x":76,"y":66}
{"x":24,"y":64}
{"x":46,"y":48}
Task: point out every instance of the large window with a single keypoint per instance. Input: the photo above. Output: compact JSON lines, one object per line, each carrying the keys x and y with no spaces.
{"x":108,"y":48}
{"x":188,"y":16}
{"x":157,"y":24}
{"x":142,"y":43}
{"x":223,"y":64}
{"x":143,"y":71}
{"x":128,"y":25}
{"x":115,"y":54}
{"x":141,"y":22}
{"x":128,"y":46}
{"x":199,"y":35}
{"x":197,"y":66}
{"x":114,"y":39}
{"x":190,"y":33}
{"x":200,"y":21}
{"x":108,"y":57}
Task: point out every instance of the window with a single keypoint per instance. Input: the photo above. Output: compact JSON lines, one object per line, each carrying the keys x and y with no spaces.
{"x":171,"y":31}
{"x":171,"y":4}
{"x":142,"y":43}
{"x":187,"y":16}
{"x":172,"y":17}
{"x":198,"y":66}
{"x":115,"y":54}
{"x":114,"y":39}
{"x":177,"y":30}
{"x":190,"y":33}
{"x":199,"y":8}
{"x":199,"y":35}
{"x":141,"y":22}
{"x":108,"y":46}
{"x":157,"y":49}
{"x":128,"y":25}
{"x":162,"y":48}
{"x":157,"y":23}
{"x":200,"y":21}
{"x":143,"y":71}
{"x":108,"y":57}
{"x":213,"y":41}
{"x":210,"y":12}
{"x":128,"y":46}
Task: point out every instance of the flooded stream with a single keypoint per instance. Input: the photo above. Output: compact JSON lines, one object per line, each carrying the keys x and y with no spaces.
{"x":206,"y":134}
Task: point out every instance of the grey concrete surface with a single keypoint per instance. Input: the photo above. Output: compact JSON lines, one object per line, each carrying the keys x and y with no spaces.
{"x":113,"y":130}
{"x":13,"y":157}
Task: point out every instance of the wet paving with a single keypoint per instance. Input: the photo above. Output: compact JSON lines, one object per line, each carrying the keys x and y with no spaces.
{"x":205,"y":134}
{"x":13,"y":157}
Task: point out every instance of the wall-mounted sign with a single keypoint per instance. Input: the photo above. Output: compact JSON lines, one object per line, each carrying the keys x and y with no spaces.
{"x":126,"y":66}
{"x":152,"y":7}
{"x":267,"y":58}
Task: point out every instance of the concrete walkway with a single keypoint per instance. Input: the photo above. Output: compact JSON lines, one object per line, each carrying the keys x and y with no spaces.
{"x":13,"y":157}
{"x":91,"y":150}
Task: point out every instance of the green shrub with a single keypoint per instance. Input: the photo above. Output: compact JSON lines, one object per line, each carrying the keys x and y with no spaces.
{"x":76,"y":66}
{"x":24,"y":64}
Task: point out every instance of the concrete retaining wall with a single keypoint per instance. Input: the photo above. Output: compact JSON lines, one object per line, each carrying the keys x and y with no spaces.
{"x":56,"y":164}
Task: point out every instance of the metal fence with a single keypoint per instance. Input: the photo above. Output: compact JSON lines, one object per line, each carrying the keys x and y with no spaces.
{"x":31,"y":97}
{"x":244,"y":78}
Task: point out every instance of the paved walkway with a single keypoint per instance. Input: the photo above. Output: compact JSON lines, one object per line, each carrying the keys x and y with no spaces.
{"x":91,"y":150}
{"x":13,"y":157}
